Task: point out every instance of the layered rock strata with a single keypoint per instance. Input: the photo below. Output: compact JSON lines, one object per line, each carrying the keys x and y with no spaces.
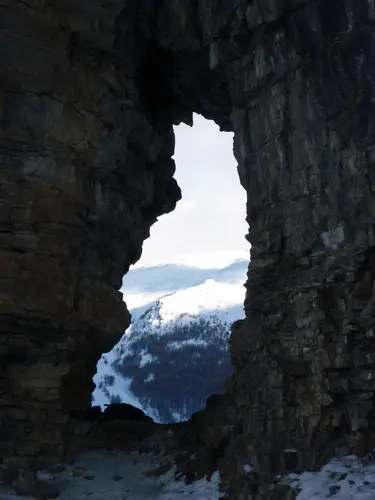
{"x":89,"y":94}
{"x":84,"y":174}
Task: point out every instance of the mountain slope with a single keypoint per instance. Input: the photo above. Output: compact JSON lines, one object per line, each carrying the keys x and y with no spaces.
{"x":145,"y":284}
{"x":175,"y":354}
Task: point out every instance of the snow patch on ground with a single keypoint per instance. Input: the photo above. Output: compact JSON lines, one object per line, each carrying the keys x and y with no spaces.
{"x":344,"y":478}
{"x":119,"y":476}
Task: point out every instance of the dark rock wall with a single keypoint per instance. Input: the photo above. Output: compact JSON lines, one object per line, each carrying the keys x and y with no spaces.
{"x":302,"y":87}
{"x":84,"y":173}
{"x":89,"y":93}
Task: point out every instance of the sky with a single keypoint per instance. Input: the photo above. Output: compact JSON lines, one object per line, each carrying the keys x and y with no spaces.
{"x":210,"y":218}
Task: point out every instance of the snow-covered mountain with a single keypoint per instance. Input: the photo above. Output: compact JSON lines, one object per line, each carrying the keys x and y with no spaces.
{"x":175,"y":353}
{"x":143,"y":285}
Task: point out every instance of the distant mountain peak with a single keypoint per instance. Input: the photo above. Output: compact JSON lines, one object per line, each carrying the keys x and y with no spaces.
{"x":201,"y":260}
{"x":143,"y":285}
{"x":178,"y":336}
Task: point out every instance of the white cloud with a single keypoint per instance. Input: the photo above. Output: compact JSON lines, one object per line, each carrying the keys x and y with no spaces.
{"x":211,"y":215}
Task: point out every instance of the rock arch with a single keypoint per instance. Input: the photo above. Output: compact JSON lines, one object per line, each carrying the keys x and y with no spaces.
{"x":89,"y":94}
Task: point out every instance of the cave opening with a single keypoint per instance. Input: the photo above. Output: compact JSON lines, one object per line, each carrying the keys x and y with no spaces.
{"x":186,"y":290}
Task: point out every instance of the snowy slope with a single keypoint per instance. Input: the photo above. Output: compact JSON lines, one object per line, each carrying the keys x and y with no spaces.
{"x":209,"y":299}
{"x":111,"y":386}
{"x":143,"y":285}
{"x":345,"y":478}
{"x":175,"y":354}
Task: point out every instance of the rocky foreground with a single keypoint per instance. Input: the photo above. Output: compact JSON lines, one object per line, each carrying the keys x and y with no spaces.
{"x":155,"y":467}
{"x":115,"y":475}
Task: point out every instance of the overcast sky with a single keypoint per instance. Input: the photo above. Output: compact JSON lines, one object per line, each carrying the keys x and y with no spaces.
{"x":210,"y":217}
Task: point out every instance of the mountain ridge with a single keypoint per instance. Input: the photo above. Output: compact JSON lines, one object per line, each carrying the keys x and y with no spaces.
{"x":175,"y":353}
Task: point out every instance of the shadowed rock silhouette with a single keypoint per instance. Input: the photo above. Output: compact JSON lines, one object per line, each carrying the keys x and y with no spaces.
{"x":123,"y":411}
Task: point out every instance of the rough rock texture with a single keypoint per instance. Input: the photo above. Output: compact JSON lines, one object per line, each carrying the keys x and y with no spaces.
{"x":84,"y":175}
{"x":89,"y":92}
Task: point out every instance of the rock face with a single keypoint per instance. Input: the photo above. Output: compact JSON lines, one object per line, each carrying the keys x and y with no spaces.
{"x":84,"y":174}
{"x":89,"y":93}
{"x":123,"y":411}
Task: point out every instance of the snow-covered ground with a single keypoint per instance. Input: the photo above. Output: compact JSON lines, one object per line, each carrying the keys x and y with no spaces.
{"x":131,"y":476}
{"x":345,"y":478}
{"x":119,"y":476}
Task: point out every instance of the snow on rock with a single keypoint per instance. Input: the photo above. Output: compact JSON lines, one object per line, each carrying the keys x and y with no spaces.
{"x":344,"y":478}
